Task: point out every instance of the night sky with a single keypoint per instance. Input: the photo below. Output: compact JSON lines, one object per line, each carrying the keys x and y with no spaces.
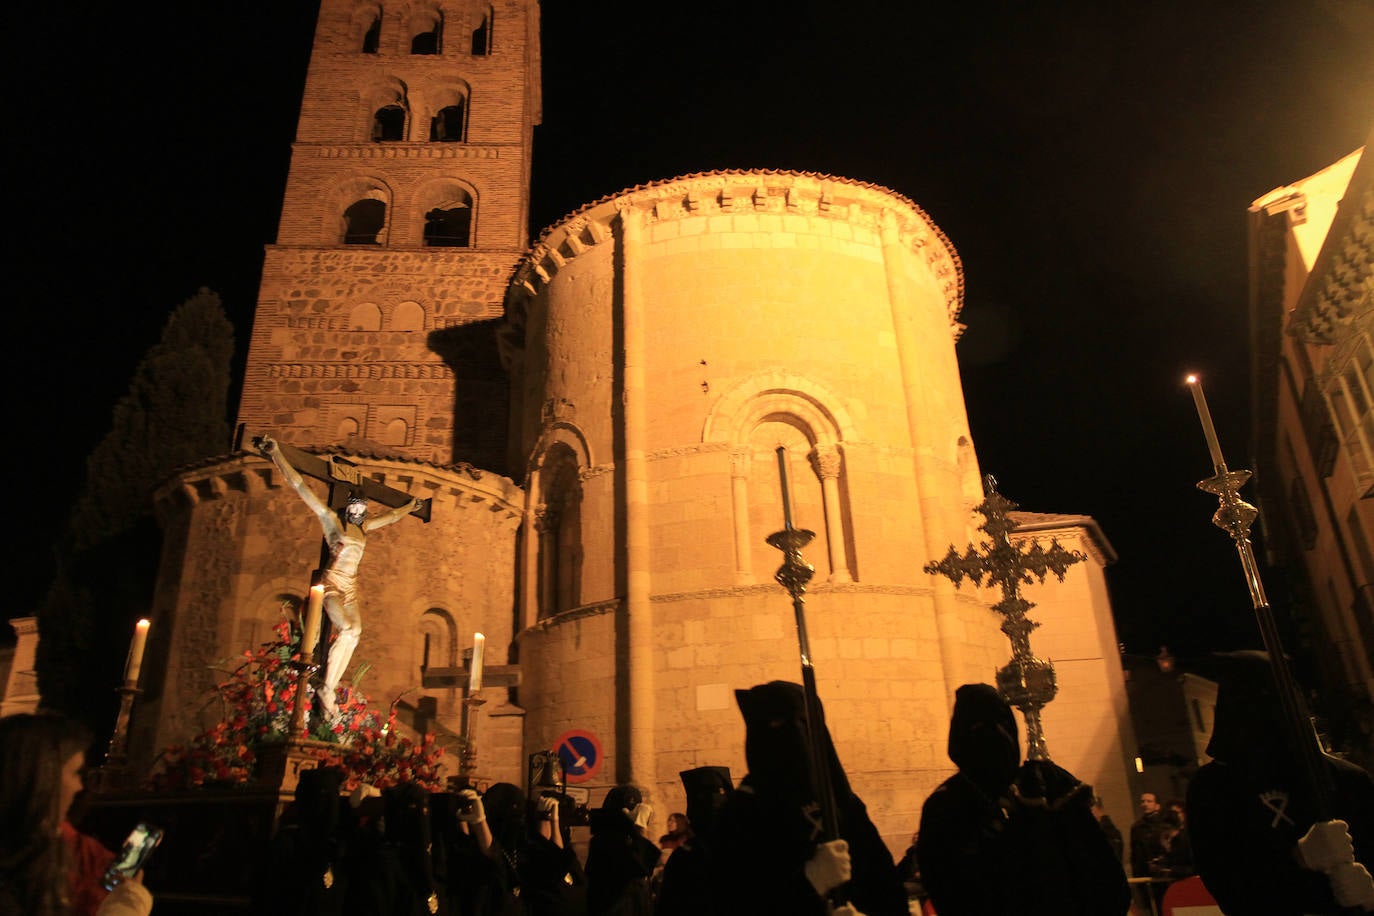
{"x":1091,"y":163}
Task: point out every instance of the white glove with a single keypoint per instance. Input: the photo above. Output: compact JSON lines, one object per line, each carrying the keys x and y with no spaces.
{"x":640,"y":815}
{"x":470,"y":810}
{"x":828,"y":867}
{"x":1326,"y":845}
{"x":363,"y":792}
{"x":1351,"y":885}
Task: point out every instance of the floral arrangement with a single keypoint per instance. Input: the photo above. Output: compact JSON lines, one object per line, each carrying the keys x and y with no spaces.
{"x":257,"y":702}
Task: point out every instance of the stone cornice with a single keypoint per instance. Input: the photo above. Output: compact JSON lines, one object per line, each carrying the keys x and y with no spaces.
{"x":1031,"y":525}
{"x":726,"y":192}
{"x":461,"y":486}
{"x":360,"y":370}
{"x":401,"y":151}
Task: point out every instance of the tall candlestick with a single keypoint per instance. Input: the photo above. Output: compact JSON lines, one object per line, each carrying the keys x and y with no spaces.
{"x":1208,"y":431}
{"x":786,"y":497}
{"x":135,"y":661}
{"x":475,"y":679}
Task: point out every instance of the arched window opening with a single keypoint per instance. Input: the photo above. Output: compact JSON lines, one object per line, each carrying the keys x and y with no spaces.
{"x":365,"y":317}
{"x":439,"y":639}
{"x":429,"y":40}
{"x":372,"y":38}
{"x":765,"y":509}
{"x":449,"y":225}
{"x":389,"y":124}
{"x":348,"y":428}
{"x":396,"y":432}
{"x":408,"y":316}
{"x":363,"y":222}
{"x":481,"y":36}
{"x":560,"y":534}
{"x":447,"y":125}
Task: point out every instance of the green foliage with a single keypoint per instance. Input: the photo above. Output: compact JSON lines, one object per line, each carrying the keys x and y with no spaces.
{"x":174,"y":413}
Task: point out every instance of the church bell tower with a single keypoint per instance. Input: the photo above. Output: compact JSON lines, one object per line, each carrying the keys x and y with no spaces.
{"x":405,"y":212}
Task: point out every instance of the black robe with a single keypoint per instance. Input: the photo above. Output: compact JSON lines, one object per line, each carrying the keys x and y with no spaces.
{"x":1248,"y":808}
{"x":998,"y":840}
{"x":770,"y":826}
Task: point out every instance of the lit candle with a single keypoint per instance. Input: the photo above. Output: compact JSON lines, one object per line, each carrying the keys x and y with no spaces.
{"x":135,"y":661}
{"x":310,"y":628}
{"x":475,"y":679}
{"x":786,"y":498}
{"x":1208,"y":431}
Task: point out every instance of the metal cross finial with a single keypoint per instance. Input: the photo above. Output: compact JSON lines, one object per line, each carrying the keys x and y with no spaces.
{"x":1027,"y":682}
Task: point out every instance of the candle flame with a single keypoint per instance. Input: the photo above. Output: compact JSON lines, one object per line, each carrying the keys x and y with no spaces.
{"x":1191,"y":379}
{"x":144,"y":623}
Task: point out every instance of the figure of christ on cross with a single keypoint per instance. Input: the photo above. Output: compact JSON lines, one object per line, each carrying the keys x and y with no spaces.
{"x":345,"y":537}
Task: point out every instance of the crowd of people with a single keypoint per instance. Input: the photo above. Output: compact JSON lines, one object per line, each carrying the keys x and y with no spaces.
{"x":1002,"y":836}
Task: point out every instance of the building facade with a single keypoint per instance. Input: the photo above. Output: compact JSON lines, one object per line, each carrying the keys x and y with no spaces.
{"x":599,"y":421}
{"x":1312,"y":320}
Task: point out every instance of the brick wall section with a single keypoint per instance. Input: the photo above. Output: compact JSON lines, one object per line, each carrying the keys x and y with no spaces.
{"x":316,"y":373}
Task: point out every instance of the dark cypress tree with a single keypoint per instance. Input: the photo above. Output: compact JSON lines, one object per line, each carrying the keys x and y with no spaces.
{"x":175,"y":412}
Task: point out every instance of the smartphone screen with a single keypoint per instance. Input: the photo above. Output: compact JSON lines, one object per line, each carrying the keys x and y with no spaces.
{"x":139,"y":844}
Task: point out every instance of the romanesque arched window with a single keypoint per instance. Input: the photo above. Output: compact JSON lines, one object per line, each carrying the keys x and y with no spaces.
{"x":759,"y":415}
{"x":448,"y":214}
{"x":560,"y":532}
{"x":427,"y":32}
{"x":368,"y":22}
{"x":359,"y":205}
{"x":389,"y":124}
{"x":448,"y":125}
{"x":385,"y":111}
{"x":348,"y":428}
{"x":481,"y":34}
{"x":364,"y":221}
{"x":438,"y":639}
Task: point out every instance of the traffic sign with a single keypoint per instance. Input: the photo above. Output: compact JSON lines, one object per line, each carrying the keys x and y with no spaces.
{"x":580,"y":752}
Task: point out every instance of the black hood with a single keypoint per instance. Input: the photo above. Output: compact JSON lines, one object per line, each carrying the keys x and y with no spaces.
{"x":984,"y":741}
{"x":775,"y":740}
{"x":708,"y":789}
{"x":1248,"y":728}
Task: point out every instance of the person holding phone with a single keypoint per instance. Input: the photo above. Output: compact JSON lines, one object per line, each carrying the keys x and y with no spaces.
{"x":41,"y":759}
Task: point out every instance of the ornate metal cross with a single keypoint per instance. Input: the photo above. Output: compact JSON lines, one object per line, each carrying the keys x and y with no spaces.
{"x":1027,"y":682}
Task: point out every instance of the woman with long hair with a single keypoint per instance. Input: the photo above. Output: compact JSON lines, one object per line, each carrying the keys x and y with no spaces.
{"x":41,"y":759}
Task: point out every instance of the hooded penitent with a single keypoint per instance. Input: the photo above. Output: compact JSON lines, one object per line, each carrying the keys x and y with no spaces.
{"x":772,"y":823}
{"x":1249,"y":806}
{"x":983,"y":739}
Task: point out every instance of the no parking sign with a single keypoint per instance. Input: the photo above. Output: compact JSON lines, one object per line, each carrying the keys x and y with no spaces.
{"x":580,"y":753}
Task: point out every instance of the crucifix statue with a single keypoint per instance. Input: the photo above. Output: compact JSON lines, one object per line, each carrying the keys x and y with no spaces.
{"x":346,"y":525}
{"x":1027,"y":682}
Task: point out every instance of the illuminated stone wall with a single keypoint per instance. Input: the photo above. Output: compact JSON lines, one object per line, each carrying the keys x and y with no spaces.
{"x":237,"y":539}
{"x":763,"y":310}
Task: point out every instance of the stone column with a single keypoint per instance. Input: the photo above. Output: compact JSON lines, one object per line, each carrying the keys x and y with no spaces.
{"x":741,"y":457}
{"x":637,"y":762}
{"x":826,"y":460}
{"x":529,"y":560}
{"x":546,"y":583}
{"x":907,"y":328}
